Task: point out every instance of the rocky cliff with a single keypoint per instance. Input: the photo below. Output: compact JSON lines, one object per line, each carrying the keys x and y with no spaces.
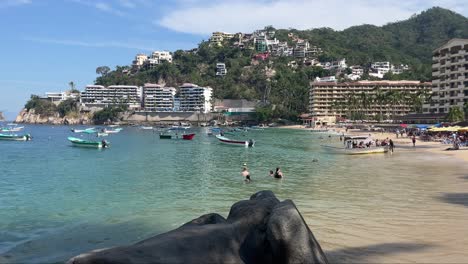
{"x":259,"y":230}
{"x":30,"y":117}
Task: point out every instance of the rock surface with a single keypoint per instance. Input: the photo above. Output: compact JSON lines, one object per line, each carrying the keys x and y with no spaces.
{"x":259,"y":230}
{"x":30,"y":117}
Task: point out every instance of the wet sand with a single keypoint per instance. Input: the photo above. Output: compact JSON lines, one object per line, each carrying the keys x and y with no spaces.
{"x":430,"y":228}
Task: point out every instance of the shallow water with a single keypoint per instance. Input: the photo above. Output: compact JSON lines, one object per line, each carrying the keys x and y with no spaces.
{"x":57,"y":201}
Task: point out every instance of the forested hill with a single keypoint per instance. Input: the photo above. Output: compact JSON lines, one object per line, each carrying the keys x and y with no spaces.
{"x":410,"y":41}
{"x":284,"y":89}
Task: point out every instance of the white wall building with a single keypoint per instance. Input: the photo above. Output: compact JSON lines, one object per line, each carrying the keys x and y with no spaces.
{"x":194,"y":98}
{"x":221,"y":69}
{"x":100,"y":96}
{"x":58,"y":97}
{"x":326,"y":79}
{"x":140,"y":60}
{"x":158,"y":57}
{"x":449,"y":77}
{"x":158,"y":98}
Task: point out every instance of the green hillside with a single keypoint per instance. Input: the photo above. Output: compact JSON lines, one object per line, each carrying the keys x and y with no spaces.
{"x":284,"y":90}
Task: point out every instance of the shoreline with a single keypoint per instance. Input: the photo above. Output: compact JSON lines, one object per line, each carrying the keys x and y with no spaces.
{"x":426,"y":146}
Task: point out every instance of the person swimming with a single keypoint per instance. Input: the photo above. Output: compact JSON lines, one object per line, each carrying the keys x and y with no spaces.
{"x":272,"y":174}
{"x":278,"y":174}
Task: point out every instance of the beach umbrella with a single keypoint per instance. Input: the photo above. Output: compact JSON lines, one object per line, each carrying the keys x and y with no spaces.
{"x":452,"y":129}
{"x":463,"y":129}
{"x":404,"y":125}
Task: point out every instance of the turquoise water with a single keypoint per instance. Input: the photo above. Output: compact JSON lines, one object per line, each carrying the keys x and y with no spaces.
{"x":57,"y":201}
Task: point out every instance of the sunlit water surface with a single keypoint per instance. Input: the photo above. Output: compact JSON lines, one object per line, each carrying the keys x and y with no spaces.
{"x":57,"y":201}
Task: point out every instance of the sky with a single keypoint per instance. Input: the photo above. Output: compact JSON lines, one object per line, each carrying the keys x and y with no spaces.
{"x":45,"y":44}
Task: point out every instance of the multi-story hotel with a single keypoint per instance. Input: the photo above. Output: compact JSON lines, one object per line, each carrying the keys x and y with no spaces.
{"x":449,"y":77}
{"x":324,"y":96}
{"x":157,"y":98}
{"x":194,"y":98}
{"x":100,"y":96}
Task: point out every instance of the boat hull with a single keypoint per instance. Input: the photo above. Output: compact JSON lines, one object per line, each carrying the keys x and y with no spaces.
{"x":231,"y":142}
{"x":15,"y":137}
{"x":357,"y":151}
{"x":77,"y":142}
{"x":165,"y":136}
{"x":188,"y":136}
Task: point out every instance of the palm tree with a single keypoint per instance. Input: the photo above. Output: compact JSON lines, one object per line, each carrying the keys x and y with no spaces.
{"x":455,"y":114}
{"x":380,"y":99}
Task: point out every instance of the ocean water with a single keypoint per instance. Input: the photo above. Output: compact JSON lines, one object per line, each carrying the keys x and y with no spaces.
{"x":57,"y":201}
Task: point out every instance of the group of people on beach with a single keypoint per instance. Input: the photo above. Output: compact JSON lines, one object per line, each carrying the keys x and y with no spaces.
{"x":278,"y":174}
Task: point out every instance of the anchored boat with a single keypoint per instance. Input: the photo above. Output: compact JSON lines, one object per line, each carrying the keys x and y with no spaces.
{"x":188,"y":136}
{"x":15,"y":137}
{"x":78,"y":142}
{"x":225,"y":140}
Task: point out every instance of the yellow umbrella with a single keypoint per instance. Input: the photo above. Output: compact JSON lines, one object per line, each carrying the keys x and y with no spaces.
{"x":463,"y":129}
{"x":452,"y":128}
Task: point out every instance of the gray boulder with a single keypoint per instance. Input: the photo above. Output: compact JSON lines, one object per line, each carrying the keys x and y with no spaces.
{"x":259,"y":230}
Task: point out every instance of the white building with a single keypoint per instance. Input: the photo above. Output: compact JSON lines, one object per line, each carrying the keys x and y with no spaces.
{"x":158,"y":98}
{"x":100,"y":96}
{"x":338,"y":65}
{"x":449,"y":77}
{"x":158,"y":57}
{"x":140,"y":60}
{"x":58,"y":97}
{"x":326,"y":79}
{"x":221,"y":69}
{"x":194,"y":98}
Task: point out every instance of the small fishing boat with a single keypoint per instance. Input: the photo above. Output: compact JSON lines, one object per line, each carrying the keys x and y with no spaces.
{"x":146,"y":128}
{"x":78,"y":142}
{"x":358,"y":151}
{"x":165,"y":136}
{"x":188,"y":136}
{"x":112,"y":131}
{"x":11,"y":128}
{"x":15,"y":137}
{"x":102,"y":134}
{"x":74,"y":130}
{"x":225,"y":140}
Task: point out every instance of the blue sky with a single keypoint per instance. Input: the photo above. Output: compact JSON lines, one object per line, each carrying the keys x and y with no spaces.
{"x":48,"y":43}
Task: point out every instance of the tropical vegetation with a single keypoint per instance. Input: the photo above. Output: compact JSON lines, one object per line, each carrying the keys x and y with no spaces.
{"x":455,"y":114}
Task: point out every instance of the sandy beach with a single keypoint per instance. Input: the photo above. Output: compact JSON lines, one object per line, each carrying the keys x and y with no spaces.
{"x":432,"y":232}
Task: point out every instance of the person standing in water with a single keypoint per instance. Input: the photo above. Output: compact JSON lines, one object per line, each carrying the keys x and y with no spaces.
{"x":392,"y":146}
{"x":245,"y":173}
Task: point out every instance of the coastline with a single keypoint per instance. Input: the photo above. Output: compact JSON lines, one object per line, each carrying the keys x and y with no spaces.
{"x":401,"y":143}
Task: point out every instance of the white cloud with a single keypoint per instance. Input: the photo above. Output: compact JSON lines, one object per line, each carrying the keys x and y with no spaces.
{"x":10,"y":3}
{"x":204,"y":17}
{"x":94,"y":44}
{"x":101,"y":6}
{"x":127,"y":3}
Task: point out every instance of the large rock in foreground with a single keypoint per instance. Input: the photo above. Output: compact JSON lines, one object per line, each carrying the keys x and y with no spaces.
{"x":260,"y":230}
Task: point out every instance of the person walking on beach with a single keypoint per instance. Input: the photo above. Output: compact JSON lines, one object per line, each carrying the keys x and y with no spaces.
{"x":392,"y":146}
{"x":414,"y":140}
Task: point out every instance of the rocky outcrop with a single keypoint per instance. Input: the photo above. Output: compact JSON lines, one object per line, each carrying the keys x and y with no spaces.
{"x":30,"y":117}
{"x":2,"y":118}
{"x":259,"y":230}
